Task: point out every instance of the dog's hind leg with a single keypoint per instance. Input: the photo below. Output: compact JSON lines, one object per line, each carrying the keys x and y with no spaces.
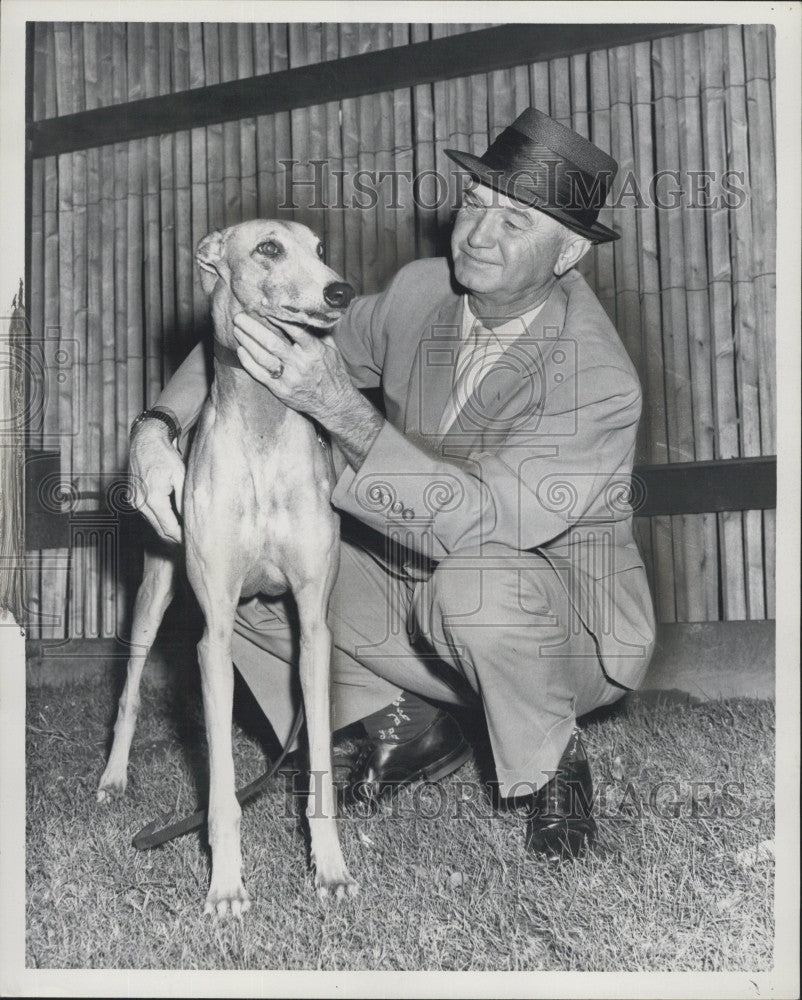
{"x":331,"y":874}
{"x":152,"y":600}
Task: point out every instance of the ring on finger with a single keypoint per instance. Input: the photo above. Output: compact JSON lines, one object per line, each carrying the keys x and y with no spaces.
{"x":279,"y":372}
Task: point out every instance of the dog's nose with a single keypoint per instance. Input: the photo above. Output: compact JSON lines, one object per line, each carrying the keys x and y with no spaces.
{"x":338,"y":294}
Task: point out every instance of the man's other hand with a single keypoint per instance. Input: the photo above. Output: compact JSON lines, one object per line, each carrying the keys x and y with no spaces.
{"x":157,"y":470}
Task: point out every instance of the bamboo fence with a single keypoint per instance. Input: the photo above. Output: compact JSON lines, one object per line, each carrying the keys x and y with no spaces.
{"x":691,"y":290}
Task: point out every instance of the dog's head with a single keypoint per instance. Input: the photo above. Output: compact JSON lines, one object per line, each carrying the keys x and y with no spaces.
{"x":274,"y":270}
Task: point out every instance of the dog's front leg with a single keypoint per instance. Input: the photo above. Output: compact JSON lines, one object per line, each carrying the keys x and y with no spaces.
{"x":331,"y":874}
{"x":226,"y":892}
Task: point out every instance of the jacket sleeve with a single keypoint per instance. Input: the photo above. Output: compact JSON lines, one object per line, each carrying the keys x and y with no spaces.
{"x":186,"y":391}
{"x":522,"y":494}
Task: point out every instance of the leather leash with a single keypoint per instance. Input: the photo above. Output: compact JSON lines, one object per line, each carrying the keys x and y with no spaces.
{"x":153,"y":836}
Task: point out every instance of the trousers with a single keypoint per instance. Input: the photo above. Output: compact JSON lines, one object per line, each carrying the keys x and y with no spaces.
{"x":490,"y":625}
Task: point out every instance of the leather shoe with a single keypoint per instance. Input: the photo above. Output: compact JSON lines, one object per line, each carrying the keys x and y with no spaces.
{"x":383,"y":767}
{"x":560,"y":825}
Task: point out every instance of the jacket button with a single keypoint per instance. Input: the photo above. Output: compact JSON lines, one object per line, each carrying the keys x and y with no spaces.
{"x":397,"y":507}
{"x":408,"y":514}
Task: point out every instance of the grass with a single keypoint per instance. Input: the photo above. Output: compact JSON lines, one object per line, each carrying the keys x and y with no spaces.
{"x":678,"y":882}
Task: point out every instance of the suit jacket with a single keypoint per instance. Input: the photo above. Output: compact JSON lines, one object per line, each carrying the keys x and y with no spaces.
{"x":539,"y":457}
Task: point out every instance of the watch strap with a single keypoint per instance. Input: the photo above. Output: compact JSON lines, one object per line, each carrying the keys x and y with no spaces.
{"x":165,"y":416}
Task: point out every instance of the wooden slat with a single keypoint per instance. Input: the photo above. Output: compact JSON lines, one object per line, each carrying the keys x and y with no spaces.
{"x":282,"y":149}
{"x":33,"y":568}
{"x":64,"y":596}
{"x":742,"y":240}
{"x":247,"y":128}
{"x":167,"y":214}
{"x":370,"y":278}
{"x":35,"y":288}
{"x":154,"y":346}
{"x":436,"y":198}
{"x":385,"y":163}
{"x":763,"y":207}
{"x":604,"y":255}
{"x":232,"y":152}
{"x":200,"y":225}
{"x":334,"y":219}
{"x":131,"y":337}
{"x":689,"y":553}
{"x":215,"y":147}
{"x":303,"y":195}
{"x":265,"y":126}
{"x":183,"y":249}
{"x":404,"y":161}
{"x":108,"y":235}
{"x":760,"y":75}
{"x":86,"y":67}
{"x":414,"y":65}
{"x":688,"y":70}
{"x":721,"y":311}
{"x":53,"y":582}
{"x":349,"y":45}
{"x":423,"y":153}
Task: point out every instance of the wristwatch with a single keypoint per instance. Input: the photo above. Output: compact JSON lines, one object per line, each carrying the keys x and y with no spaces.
{"x":167,"y":417}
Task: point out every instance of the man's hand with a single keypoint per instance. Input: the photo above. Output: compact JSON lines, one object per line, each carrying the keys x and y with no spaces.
{"x":309,"y":375}
{"x":158,"y":470}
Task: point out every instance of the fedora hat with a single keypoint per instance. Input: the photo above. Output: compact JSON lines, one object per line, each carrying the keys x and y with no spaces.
{"x":547,"y":166}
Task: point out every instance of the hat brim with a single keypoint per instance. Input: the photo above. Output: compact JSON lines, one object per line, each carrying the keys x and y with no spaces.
{"x":596,"y":233}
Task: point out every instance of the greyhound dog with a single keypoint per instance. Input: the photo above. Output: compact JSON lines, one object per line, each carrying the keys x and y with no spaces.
{"x":257,"y":520}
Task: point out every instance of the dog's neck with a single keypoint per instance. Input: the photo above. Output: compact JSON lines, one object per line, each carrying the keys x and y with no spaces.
{"x":233,"y":386}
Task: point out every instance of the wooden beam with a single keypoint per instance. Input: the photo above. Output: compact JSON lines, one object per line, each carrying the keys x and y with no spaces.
{"x":712,"y":660}
{"x":699,"y":661}
{"x":372,"y":72}
{"x":679,"y":488}
{"x":708,"y":487}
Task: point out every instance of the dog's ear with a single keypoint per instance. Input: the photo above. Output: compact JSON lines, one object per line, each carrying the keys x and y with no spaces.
{"x":210,"y":261}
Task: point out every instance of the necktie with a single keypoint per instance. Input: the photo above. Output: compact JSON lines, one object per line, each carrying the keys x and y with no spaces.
{"x":479,"y":351}
{"x":471,"y":364}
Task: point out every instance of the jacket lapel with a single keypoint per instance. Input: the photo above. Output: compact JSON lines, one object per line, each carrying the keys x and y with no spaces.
{"x":432,"y":372}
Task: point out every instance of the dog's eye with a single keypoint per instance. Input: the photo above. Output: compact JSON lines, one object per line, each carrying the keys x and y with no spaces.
{"x":269,"y":248}
{"x":321,"y":251}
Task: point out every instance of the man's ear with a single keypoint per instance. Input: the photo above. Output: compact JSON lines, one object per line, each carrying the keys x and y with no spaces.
{"x":574,"y":249}
{"x":210,"y":261}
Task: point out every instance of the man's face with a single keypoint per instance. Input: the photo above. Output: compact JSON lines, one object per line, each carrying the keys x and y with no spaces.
{"x":505,"y":252}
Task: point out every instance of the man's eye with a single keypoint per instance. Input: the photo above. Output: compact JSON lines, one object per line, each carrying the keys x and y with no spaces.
{"x":269,"y":248}
{"x":512,"y":226}
{"x":321,"y":251}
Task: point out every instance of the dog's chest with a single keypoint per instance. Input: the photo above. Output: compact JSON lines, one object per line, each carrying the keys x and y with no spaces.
{"x":264,"y":492}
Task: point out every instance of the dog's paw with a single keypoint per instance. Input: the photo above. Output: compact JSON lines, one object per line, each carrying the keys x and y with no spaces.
{"x":111,"y":788}
{"x":220,"y":903}
{"x":335,"y":886}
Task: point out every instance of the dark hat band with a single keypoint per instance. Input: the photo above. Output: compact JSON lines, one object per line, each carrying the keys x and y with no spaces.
{"x":536,"y":174}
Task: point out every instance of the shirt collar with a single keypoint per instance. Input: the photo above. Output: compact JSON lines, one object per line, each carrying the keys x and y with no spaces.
{"x":504,"y":334}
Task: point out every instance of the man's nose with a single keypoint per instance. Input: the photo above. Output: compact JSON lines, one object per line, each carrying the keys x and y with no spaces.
{"x":482,"y":233}
{"x":338,"y":294}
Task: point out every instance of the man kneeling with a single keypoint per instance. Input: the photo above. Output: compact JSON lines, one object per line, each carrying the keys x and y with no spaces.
{"x":494,"y":562}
